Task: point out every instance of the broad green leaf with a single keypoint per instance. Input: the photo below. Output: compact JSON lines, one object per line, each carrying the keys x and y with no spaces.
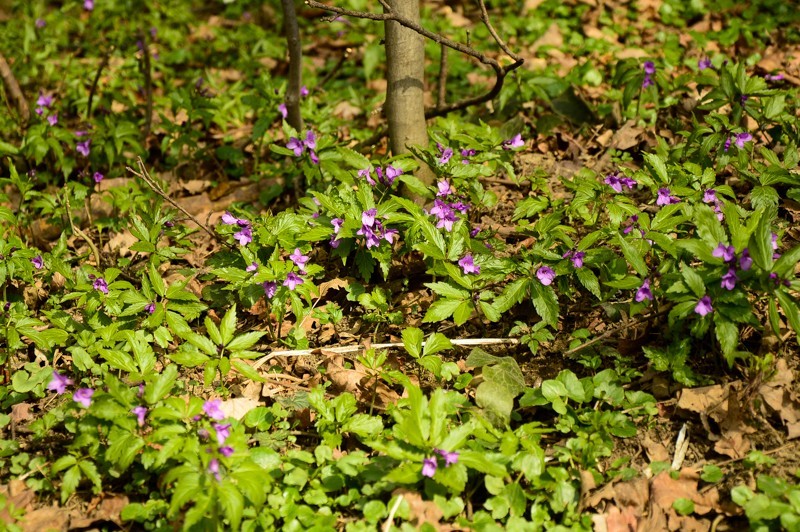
{"x":232,"y":502}
{"x":790,"y":310}
{"x":227,"y":327}
{"x":545,"y":302}
{"x":245,"y":341}
{"x":159,"y":387}
{"x":412,"y":341}
{"x":436,"y":342}
{"x":693,"y":280}
{"x":247,"y":370}
{"x":156,"y":281}
{"x":632,"y":255}
{"x":447,"y":290}
{"x":441,"y":310}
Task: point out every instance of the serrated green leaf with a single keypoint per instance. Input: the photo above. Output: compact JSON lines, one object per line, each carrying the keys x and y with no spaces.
{"x":412,"y":341}
{"x":693,"y":280}
{"x":435,"y":343}
{"x":244,"y":341}
{"x":232,"y":502}
{"x":441,"y":310}
{"x":447,"y":290}
{"x":247,"y":370}
{"x":632,"y":255}
{"x":227,"y":326}
{"x":159,"y":387}
{"x":546,"y":303}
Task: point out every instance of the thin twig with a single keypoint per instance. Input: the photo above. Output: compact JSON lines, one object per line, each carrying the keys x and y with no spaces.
{"x":77,"y":230}
{"x":493,"y":33}
{"x":345,"y":54}
{"x":155,"y":187}
{"x":96,"y":80}
{"x":14,"y":92}
{"x":356,"y":348}
{"x":442,"y":86}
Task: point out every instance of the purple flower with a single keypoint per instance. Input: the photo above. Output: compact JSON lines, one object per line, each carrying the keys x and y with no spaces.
{"x":444,"y":213}
{"x":313,"y":157}
{"x":647,"y":81}
{"x":337,"y":225}
{"x":150,"y":308}
{"x":745,"y":262}
{"x":226,"y":451}
{"x":292,"y":280}
{"x":52,"y":119}
{"x":299,"y":259}
{"x":141,"y":412}
{"x":664,"y":197}
{"x":83,"y":396}
{"x":88,"y":5}
{"x":40,"y":23}
{"x":428,"y":467}
{"x":726,"y":253}
{"x":270,"y":287}
{"x":474,"y":231}
{"x":303,"y":91}
{"x":213,"y":468}
{"x":83,"y":147}
{"x":444,"y":188}
{"x":390,"y":235}
{"x":229,"y":219}
{"x":729,"y":280}
{"x":37,"y":262}
{"x":616,"y":181}
{"x":100,"y":285}
{"x":727,"y":144}
{"x":284,"y":113}
{"x":223,"y":431}
{"x":710,"y":196}
{"x":467,"y":264}
{"x":778,"y":281}
{"x":445,"y":153}
{"x":704,"y":63}
{"x":773,"y":77}
{"x":368,"y":217}
{"x":450,"y":458}
{"x":366,"y":173}
{"x":58,"y":383}
{"x":373,"y":240}
{"x":577,"y":259}
{"x":741,"y":138}
{"x":649,"y":67}
{"x":44,"y":100}
{"x":545,"y":274}
{"x":310,"y":141}
{"x":334,"y":243}
{"x":253,"y":267}
{"x":466,"y":154}
{"x":296,"y":145}
{"x":244,"y":236}
{"x":644,"y":292}
{"x":774,"y":241}
{"x":98,"y":177}
{"x":514,"y":142}
{"x":213,"y":409}
{"x":703,"y":306}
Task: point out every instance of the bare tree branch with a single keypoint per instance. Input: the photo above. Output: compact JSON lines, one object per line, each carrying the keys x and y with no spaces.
{"x":500,"y":71}
{"x":292,"y":32}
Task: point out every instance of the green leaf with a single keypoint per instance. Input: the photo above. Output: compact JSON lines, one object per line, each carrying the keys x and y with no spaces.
{"x":545,"y":302}
{"x":708,"y":225}
{"x":69,"y":482}
{"x":412,"y":341}
{"x":761,"y":242}
{"x":657,"y":165}
{"x":161,"y":385}
{"x":156,"y":281}
{"x":232,"y":502}
{"x":435,"y":343}
{"x":118,"y":360}
{"x":683,"y":506}
{"x":245,"y":341}
{"x":787,"y":262}
{"x":693,"y":280}
{"x":247,"y":370}
{"x":728,"y":336}
{"x":790,"y":310}
{"x":632,"y":255}
{"x":441,"y":310}
{"x":463,"y":311}
{"x":495,"y":398}
{"x":512,"y":294}
{"x":227,"y":326}
{"x":447,"y":290}
{"x":589,"y":281}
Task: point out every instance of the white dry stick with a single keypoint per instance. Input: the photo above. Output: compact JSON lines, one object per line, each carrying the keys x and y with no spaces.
{"x":355,"y":348}
{"x":681,"y":446}
{"x":388,"y":524}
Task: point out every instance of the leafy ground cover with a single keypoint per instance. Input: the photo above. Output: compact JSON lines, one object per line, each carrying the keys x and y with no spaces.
{"x":212,"y":321}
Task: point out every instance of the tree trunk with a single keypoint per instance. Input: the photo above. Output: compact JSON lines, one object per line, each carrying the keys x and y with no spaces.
{"x":405,"y":63}
{"x":292,"y":32}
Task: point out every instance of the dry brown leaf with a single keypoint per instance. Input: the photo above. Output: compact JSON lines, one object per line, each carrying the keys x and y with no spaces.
{"x":346,"y":110}
{"x":46,"y":519}
{"x":551,"y":37}
{"x":710,"y":400}
{"x":420,"y":511}
{"x":656,"y":451}
{"x":666,"y":490}
{"x":624,"y":520}
{"x":239,"y":406}
{"x":120,"y":243}
{"x":109,"y":509}
{"x":21,"y":412}
{"x":779,"y":395}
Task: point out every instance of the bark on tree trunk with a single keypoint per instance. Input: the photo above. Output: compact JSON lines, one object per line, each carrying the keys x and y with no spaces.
{"x":405,"y":63}
{"x":292,"y":32}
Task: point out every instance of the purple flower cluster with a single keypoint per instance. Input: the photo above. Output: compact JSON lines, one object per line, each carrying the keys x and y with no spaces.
{"x":58,"y":383}
{"x":445,"y":153}
{"x":468,"y":265}
{"x":100,"y":285}
{"x":703,"y":306}
{"x":43,"y":103}
{"x":710,"y":196}
{"x":373,"y":230}
{"x":616,"y":181}
{"x":644,"y":292}
{"x":705,"y":63}
{"x":299,"y":146}
{"x":649,"y":70}
{"x":546,"y":275}
{"x":429,"y":465}
{"x":383,"y":176}
{"x":245,"y":234}
{"x":38,"y":262}
{"x":337,"y":226}
{"x":446,"y":206}
{"x":213,"y":409}
{"x":631,"y":224}
{"x":728,"y":254}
